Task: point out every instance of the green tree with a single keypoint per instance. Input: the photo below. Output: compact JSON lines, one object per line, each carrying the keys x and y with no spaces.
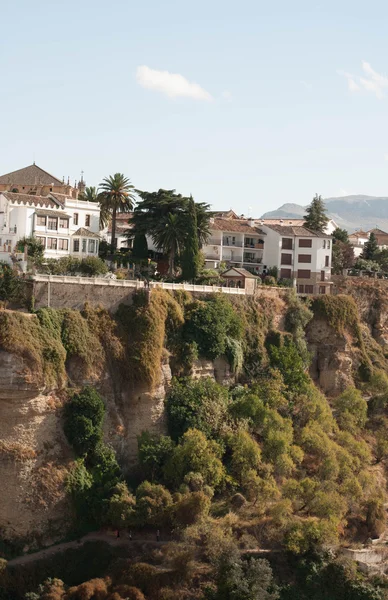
{"x":371,"y":248}
{"x":115,"y":194}
{"x":342,"y":257}
{"x":245,"y":580}
{"x":35,"y":249}
{"x":169,"y":238}
{"x":195,"y":454}
{"x":121,"y":508}
{"x":153,"y":452}
{"x":90,"y":194}
{"x":316,"y":218}
{"x":192,"y":508}
{"x":190,"y":255}
{"x":140,"y":247}
{"x":341,"y":235}
{"x":10,"y":283}
{"x":351,"y":409}
{"x":152,"y":504}
{"x":201,"y":404}
{"x":83,"y":419}
{"x":245,"y":454}
{"x":203,"y":222}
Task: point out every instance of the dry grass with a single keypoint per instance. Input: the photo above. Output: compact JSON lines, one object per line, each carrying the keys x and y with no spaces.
{"x":16,"y":451}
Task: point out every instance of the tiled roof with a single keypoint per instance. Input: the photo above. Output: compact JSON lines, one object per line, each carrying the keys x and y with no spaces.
{"x":294,"y":222}
{"x":296,"y":231}
{"x":31,"y":199}
{"x":83,"y":232}
{"x":244,"y":272}
{"x":51,"y":213}
{"x":234,"y":225}
{"x":377,"y":231}
{"x":32,"y":175}
{"x":359,"y":234}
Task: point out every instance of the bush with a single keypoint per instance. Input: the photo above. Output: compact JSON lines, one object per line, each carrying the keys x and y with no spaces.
{"x":153,"y":452}
{"x":195,"y":454}
{"x":269,"y":280}
{"x":121,"y":509}
{"x":351,"y":410}
{"x":152,"y":504}
{"x":83,"y":420}
{"x":10,"y":283}
{"x":201,"y":405}
{"x":192,"y":508}
{"x":245,"y":454}
{"x":209,"y":323}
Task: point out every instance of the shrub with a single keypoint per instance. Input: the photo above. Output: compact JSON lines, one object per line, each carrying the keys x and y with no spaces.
{"x":83,"y":420}
{"x":121,"y":509}
{"x":153,"y":452}
{"x":192,"y":508}
{"x":287,"y":359}
{"x":351,"y":409}
{"x":198,"y":405}
{"x":195,"y":454}
{"x":269,"y":280}
{"x":152,"y":504}
{"x":245,"y":454}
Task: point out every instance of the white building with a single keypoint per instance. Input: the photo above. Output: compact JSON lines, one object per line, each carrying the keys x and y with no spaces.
{"x":65,"y":226}
{"x":300,"y":255}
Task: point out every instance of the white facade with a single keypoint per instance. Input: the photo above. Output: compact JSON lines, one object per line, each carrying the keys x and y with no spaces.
{"x":63,"y":225}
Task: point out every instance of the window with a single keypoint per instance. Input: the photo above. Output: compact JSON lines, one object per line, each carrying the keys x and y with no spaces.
{"x":286,"y":259}
{"x":328,"y":244}
{"x":285,"y":274}
{"x":286,"y":243}
{"x":322,"y":289}
{"x":304,"y":274}
{"x":75,"y":245}
{"x":83,"y":245}
{"x":42,"y":240}
{"x":63,"y":244}
{"x":41,"y":221}
{"x":52,"y":243}
{"x":301,"y":289}
{"x":63,"y":223}
{"x":75,"y":219}
{"x":309,"y":289}
{"x":53,"y":223}
{"x":305,"y":243}
{"x":327,"y":261}
{"x":87,"y":220}
{"x":91,"y":246}
{"x":324,"y":243}
{"x":322,"y":275}
{"x":304,"y":258}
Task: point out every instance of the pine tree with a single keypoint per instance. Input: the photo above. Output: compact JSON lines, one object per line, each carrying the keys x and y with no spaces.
{"x":190,"y":256}
{"x":371,"y":248}
{"x":316,"y":218}
{"x":140,"y":247}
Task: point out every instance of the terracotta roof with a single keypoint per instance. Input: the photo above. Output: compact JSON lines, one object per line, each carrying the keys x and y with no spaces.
{"x":244,"y":272}
{"x":294,"y":222}
{"x":60,"y":197}
{"x":359,"y":234}
{"x":226,"y":214}
{"x":296,"y":231}
{"x":234,"y":225}
{"x":31,"y":199}
{"x":377,"y":231}
{"x":32,"y":175}
{"x":51,"y":213}
{"x":83,"y":232}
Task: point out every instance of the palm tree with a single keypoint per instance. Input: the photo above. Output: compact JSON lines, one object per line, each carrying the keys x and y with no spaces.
{"x":203,"y":222}
{"x":90,"y":194}
{"x":169,"y":237}
{"x":116,"y":194}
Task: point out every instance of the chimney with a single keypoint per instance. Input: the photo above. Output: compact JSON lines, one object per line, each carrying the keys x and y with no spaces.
{"x":251,"y":222}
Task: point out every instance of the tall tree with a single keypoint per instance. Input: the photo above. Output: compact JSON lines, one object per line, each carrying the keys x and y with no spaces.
{"x":116,"y":194}
{"x":341,"y":235}
{"x":371,"y":248}
{"x":169,"y":237}
{"x":315,"y":217}
{"x":90,"y":194}
{"x":203,"y":222}
{"x":190,"y":255}
{"x":140,"y":247}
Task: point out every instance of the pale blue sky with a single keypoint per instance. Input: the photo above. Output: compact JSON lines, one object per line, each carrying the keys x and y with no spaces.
{"x":275,"y":119}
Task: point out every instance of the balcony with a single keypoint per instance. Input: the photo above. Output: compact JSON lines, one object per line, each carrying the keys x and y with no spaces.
{"x":229,"y":242}
{"x":254,"y":246}
{"x":213,"y":242}
{"x":253,"y":261}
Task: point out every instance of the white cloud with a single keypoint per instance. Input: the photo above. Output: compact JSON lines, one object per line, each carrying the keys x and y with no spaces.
{"x":371,"y":82}
{"x":385,"y":156}
{"x":171,"y":84}
{"x":352,"y":85}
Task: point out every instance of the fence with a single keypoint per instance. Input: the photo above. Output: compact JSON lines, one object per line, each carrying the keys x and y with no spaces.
{"x":125,"y":283}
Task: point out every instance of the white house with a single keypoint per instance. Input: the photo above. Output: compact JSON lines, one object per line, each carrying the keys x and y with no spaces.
{"x":65,"y":226}
{"x":300,"y":255}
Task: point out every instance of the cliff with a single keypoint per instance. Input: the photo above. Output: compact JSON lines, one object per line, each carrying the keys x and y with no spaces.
{"x":130,"y":359}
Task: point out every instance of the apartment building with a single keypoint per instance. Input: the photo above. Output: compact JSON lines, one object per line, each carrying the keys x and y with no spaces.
{"x":300,"y":255}
{"x":63,"y":225}
{"x":238,"y":242}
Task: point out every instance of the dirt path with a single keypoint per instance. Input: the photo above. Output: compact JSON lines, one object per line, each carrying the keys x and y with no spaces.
{"x":90,"y":537}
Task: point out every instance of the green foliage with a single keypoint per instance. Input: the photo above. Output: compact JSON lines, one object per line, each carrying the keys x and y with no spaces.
{"x":153,"y":452}
{"x":316,"y":218}
{"x":364,"y":264}
{"x":310,"y":536}
{"x":245,"y":454}
{"x":287,"y":359}
{"x":83,"y":420}
{"x":140,"y":247}
{"x":269,"y":280}
{"x":191,"y":508}
{"x":121,"y":508}
{"x":195,"y":454}
{"x":201,"y":405}
{"x":10,"y":283}
{"x":351,"y":410}
{"x":210,"y":323}
{"x":152,"y":504}
{"x":35,"y":249}
{"x":115,"y":194}
{"x":371,"y":249}
{"x":244,"y":580}
{"x":340,"y":312}
{"x":90,"y":266}
{"x":341,"y":235}
{"x":190,"y":254}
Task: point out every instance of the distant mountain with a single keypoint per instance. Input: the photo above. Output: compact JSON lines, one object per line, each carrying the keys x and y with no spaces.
{"x":349,"y":212}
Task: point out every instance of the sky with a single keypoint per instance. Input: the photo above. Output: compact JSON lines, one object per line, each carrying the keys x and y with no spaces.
{"x":245,"y":105}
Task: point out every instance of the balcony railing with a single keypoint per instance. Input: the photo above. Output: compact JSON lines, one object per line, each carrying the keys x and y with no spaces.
{"x":253,"y":261}
{"x":213,"y":242}
{"x":228,"y":241}
{"x":254,"y":246}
